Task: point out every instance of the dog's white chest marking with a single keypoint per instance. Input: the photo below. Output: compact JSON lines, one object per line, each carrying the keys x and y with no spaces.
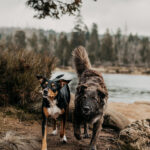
{"x":54,"y":111}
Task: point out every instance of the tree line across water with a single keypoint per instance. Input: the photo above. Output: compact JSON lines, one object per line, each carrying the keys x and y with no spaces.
{"x":108,"y":49}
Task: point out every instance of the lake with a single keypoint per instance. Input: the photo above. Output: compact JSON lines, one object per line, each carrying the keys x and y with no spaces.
{"x":121,"y":87}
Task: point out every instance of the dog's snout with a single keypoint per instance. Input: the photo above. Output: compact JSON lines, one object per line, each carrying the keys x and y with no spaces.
{"x":86,"y":109}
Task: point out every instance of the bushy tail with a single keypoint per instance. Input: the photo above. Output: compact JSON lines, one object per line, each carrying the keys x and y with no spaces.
{"x":81,"y":60}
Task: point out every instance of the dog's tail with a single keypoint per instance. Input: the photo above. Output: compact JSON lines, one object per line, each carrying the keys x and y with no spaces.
{"x":81,"y":60}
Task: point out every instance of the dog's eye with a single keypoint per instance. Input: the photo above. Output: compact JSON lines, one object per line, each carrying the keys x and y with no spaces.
{"x":53,"y":85}
{"x":84,"y":98}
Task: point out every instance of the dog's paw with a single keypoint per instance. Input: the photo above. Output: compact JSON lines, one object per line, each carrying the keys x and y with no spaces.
{"x":93,"y":147}
{"x":86,"y":136}
{"x":78,"y":137}
{"x":63,"y":139}
{"x":54,"y":132}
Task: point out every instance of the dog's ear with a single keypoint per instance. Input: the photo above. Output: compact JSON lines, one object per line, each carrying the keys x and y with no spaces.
{"x":59,"y":76}
{"x":42,"y":79}
{"x":80,"y":88}
{"x":63,"y":82}
{"x":101,"y":94}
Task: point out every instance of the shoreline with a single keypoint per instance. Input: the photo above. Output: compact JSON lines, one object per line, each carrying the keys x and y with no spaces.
{"x":113,"y":70}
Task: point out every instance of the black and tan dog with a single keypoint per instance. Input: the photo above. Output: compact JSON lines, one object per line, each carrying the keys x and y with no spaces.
{"x":91,"y":96}
{"x":56,"y":98}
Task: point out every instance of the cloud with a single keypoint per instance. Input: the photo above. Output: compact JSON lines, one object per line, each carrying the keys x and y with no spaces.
{"x":110,"y":14}
{"x":119,"y":13}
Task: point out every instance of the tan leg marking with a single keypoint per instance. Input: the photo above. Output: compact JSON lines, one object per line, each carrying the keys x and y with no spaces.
{"x":62,"y":129}
{"x":45,"y":112}
{"x":44,"y":141}
{"x":62,"y":111}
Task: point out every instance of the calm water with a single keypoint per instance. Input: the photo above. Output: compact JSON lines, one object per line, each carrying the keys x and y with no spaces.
{"x":121,"y":87}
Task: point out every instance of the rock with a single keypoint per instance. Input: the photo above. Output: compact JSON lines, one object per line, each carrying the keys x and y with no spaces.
{"x":136,"y":136}
{"x":18,"y":141}
{"x":115,"y":120}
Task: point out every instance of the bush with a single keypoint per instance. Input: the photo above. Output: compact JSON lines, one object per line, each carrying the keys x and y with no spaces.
{"x":18,"y":70}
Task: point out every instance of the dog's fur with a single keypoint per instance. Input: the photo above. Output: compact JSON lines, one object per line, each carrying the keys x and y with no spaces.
{"x":56,"y":98}
{"x":91,"y":96}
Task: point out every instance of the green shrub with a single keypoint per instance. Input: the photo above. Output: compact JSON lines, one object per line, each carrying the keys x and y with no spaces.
{"x":18,"y":70}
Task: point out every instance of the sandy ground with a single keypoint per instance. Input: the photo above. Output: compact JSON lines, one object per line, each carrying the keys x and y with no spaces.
{"x":107,"y":139}
{"x":134,"y":111}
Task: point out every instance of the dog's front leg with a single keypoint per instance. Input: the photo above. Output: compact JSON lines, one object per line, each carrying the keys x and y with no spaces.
{"x":96,"y":130}
{"x":44,"y":129}
{"x":76,"y":126}
{"x":85,"y":135}
{"x":54,"y":132}
{"x":63,"y":125}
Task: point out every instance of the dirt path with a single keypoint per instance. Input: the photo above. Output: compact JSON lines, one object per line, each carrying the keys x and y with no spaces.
{"x":106,"y":141}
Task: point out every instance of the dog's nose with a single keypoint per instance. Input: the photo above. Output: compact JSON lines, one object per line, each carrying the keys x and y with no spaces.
{"x":45,"y":92}
{"x":86,"y":109}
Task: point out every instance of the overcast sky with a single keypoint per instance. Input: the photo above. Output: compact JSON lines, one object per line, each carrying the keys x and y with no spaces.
{"x":130,"y":15}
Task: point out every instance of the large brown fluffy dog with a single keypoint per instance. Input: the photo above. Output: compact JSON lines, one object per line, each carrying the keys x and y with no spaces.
{"x":91,"y":96}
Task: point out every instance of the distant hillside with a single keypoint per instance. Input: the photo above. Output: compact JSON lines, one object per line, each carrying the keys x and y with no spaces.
{"x":28,"y":31}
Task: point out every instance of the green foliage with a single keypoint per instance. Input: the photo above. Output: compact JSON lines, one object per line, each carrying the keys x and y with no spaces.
{"x":18,"y":69}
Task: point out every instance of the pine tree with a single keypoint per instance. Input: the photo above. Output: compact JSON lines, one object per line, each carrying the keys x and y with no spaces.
{"x":107,"y":53}
{"x":118,"y":46}
{"x":94,"y":45}
{"x":78,"y":33}
{"x":20,"y":39}
{"x":63,"y":52}
{"x":33,"y":41}
{"x":9,"y":42}
{"x":144,"y":51}
{"x":44,"y":42}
